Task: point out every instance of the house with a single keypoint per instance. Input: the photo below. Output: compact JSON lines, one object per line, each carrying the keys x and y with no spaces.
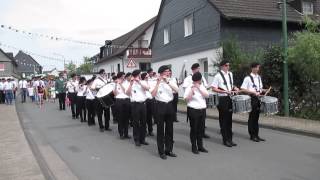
{"x":8,"y":66}
{"x":53,"y":72}
{"x":127,"y":52}
{"x":27,"y":65}
{"x":191,"y":31}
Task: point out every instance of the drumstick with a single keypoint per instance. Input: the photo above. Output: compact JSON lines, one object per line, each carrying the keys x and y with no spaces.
{"x":268,"y":91}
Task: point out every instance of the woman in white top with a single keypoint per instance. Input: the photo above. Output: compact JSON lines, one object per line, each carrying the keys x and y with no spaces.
{"x":195,"y":95}
{"x":81,"y":99}
{"x":90,"y":102}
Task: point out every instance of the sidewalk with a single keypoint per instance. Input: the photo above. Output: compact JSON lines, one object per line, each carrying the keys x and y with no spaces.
{"x":295,"y":125}
{"x":16,"y":159}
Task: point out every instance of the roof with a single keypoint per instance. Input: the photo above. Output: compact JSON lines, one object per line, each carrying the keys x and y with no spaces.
{"x":255,"y":9}
{"x":8,"y":55}
{"x":127,"y":39}
{"x":28,"y":60}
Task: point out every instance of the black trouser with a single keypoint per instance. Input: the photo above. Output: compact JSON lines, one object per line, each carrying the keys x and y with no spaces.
{"x":138,"y":110}
{"x":73,"y":99}
{"x":90,"y":105}
{"x":122,"y":106}
{"x":253,"y":124}
{"x":225,"y":117}
{"x":81,"y":108}
{"x":175,"y":105}
{"x":101,"y":110}
{"x":164,"y":115}
{"x":2,"y":97}
{"x":62,"y":101}
{"x":114,"y":113}
{"x":23,"y":94}
{"x":150,"y":104}
{"x":197,"y":118}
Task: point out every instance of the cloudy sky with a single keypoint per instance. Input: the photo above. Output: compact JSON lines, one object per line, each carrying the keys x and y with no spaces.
{"x":82,"y":20}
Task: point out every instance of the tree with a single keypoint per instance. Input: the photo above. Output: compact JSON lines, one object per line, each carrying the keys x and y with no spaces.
{"x":86,"y":67}
{"x":71,"y":68}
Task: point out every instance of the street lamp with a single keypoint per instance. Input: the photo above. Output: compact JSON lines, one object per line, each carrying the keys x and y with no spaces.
{"x":285,"y":58}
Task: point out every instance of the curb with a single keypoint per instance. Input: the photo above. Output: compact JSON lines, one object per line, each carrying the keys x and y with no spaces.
{"x":282,"y":129}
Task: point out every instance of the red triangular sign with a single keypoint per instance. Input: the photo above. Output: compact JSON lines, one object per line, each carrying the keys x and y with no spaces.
{"x":131,"y":63}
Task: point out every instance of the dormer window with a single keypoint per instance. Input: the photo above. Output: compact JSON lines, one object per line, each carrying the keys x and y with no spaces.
{"x":307,"y":7}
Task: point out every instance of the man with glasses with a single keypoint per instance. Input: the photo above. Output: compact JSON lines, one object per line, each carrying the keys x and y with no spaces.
{"x":223,"y":85}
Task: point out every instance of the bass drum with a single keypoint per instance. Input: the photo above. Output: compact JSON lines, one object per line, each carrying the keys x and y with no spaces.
{"x":105,"y":95}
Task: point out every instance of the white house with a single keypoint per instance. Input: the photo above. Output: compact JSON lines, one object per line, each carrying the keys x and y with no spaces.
{"x":127,"y":52}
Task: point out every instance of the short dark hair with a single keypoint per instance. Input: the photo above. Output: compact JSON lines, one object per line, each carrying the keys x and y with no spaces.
{"x":163,"y":68}
{"x":254,"y":64}
{"x":196,"y":76}
{"x":136,"y":72}
{"x":73,"y":75}
{"x":224,"y":62}
{"x":101,"y":71}
{"x":144,"y":75}
{"x":149,"y":70}
{"x":128,"y":74}
{"x":120,"y":74}
{"x":195,"y":66}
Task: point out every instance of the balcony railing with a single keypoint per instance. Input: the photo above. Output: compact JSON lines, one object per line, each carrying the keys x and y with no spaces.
{"x":139,"y":53}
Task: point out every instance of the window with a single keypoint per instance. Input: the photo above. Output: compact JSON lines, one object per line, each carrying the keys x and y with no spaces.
{"x":144,"y":66}
{"x":166,"y":36}
{"x":118,"y":67}
{"x":307,"y":7}
{"x":188,"y":26}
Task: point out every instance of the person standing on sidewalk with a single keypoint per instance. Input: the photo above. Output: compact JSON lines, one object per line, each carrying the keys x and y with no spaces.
{"x":223,"y":85}
{"x":72,"y":85}
{"x":61,"y":90}
{"x":8,"y":88}
{"x":252,"y":85}
{"x":23,"y":89}
{"x":188,"y":82}
{"x":163,"y":93}
{"x":195,"y":96}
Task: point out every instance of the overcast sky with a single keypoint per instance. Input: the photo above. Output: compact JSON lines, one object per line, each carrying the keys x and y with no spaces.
{"x":84,"y":20}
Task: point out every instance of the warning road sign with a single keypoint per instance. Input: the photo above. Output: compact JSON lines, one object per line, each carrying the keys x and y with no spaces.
{"x":131,"y":63}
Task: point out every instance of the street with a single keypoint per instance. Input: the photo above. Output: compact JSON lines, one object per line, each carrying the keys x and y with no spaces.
{"x":92,"y":155}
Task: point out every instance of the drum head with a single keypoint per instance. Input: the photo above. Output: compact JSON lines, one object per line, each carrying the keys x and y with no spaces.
{"x":268,"y":99}
{"x":240,"y":97}
{"x":105,"y":90}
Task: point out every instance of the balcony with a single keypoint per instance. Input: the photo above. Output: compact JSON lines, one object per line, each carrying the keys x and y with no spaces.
{"x":139,"y":53}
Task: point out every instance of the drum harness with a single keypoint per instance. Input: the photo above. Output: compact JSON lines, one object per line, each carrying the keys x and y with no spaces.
{"x":254,"y":85}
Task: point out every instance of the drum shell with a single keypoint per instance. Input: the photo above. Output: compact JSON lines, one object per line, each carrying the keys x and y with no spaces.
{"x":241,"y":104}
{"x":269,"y":105}
{"x":212,"y":101}
{"x":107,"y":100}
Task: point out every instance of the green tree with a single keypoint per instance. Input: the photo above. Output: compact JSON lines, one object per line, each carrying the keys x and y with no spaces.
{"x":86,"y":67}
{"x":71,"y":68}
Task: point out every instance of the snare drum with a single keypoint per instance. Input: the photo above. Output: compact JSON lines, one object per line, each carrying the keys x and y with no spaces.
{"x":241,"y":104}
{"x":269,"y":105}
{"x":105,"y":95}
{"x":212,"y":100}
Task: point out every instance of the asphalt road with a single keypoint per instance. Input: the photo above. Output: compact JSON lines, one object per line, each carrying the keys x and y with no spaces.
{"x":92,"y":155}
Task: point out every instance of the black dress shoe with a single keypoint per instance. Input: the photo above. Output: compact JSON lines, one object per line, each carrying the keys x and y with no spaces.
{"x":108,"y":129}
{"x":122,"y":137}
{"x":101,"y":130}
{"x":163,"y":156}
{"x":171,"y":154}
{"x":206,"y":136}
{"x":203,"y":150}
{"x":227,"y":143}
{"x":176,"y":121}
{"x":255,"y":139}
{"x":233,"y":144}
{"x":260,"y":139}
{"x":195,"y":151}
{"x":144,"y":143}
{"x":137,"y":144}
{"x":151,"y":134}
{"x":127,"y":137}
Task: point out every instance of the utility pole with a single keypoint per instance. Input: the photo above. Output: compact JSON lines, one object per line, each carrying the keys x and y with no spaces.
{"x":285,"y":59}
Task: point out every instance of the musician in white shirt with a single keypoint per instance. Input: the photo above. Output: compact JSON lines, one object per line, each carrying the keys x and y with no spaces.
{"x":90,"y":102}
{"x":23,"y":89}
{"x":122,"y":105}
{"x":149,"y":102}
{"x":97,"y":84}
{"x":223,"y":85}
{"x":71,"y":86}
{"x":126,"y":82}
{"x":81,"y":99}
{"x":195,"y":96}
{"x":252,"y":85}
{"x":137,"y":92}
{"x":163,"y":93}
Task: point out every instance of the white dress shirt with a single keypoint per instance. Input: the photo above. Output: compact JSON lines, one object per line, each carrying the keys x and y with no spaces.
{"x":247,"y":83}
{"x":89,"y":94}
{"x":23,"y":84}
{"x":165,"y":92}
{"x":188,"y":81}
{"x":219,"y":83}
{"x":197,"y":101}
{"x":1,"y":86}
{"x":98,"y":83}
{"x":138,"y":94}
{"x":81,"y":90}
{"x":121,"y":90}
{"x":8,"y":86}
{"x":148,"y":93}
{"x":72,"y":86}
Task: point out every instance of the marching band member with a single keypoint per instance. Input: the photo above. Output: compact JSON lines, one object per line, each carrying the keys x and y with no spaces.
{"x":175,"y":97}
{"x":188,"y":81}
{"x":126,"y":82}
{"x":163,"y":93}
{"x":90,"y":102}
{"x":81,"y":98}
{"x":195,"y":96}
{"x":223,"y":85}
{"x":137,"y":92}
{"x":98,"y":83}
{"x":122,"y":105}
{"x":113,"y":109}
{"x":72,"y":85}
{"x":252,"y":85}
{"x":61,"y":90}
{"x":149,"y":105}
